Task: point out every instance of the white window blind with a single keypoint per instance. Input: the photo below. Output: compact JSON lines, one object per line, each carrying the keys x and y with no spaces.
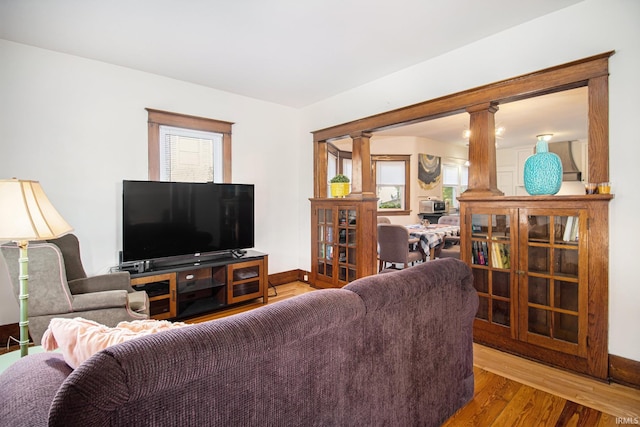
{"x":450,"y":175}
{"x":188,"y":155}
{"x":390,"y":173}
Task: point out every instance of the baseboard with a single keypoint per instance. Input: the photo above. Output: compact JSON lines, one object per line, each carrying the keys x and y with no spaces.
{"x":288,"y":277}
{"x":624,"y":371}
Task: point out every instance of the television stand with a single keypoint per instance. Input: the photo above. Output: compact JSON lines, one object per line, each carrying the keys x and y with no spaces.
{"x":183,"y":291}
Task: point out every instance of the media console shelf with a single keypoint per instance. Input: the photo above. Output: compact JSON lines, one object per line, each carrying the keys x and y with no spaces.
{"x":185,"y":291}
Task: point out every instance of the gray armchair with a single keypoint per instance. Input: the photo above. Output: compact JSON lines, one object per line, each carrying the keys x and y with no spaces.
{"x":396,"y":247}
{"x":59,"y":287}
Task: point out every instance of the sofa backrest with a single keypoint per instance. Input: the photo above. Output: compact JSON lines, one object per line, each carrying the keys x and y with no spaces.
{"x":392,"y":349}
{"x":253,"y":368}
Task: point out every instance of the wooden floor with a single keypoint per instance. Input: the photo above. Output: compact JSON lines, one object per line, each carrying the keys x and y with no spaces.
{"x":512,"y":391}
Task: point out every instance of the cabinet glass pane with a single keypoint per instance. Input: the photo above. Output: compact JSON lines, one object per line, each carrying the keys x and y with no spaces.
{"x":321,"y":233}
{"x":343,"y":274}
{"x":351,"y":256}
{"x":481,"y":280}
{"x":500,"y":227}
{"x":342,"y":217}
{"x":329,"y":270}
{"x":539,"y":228}
{"x":479,"y":225}
{"x":539,"y":321}
{"x":500,"y":312}
{"x":351,"y":241}
{"x":479,"y":253}
{"x":352,"y":274}
{"x":483,"y":308}
{"x":320,"y":250}
{"x":569,"y":229}
{"x":329,"y":234}
{"x":566,"y":295}
{"x":500,"y":255}
{"x":565,"y":327}
{"x":343,"y":237}
{"x":342,"y":255}
{"x":566,"y":262}
{"x":320,"y":267}
{"x":329,"y":251}
{"x":539,"y":259}
{"x":352,"y":217}
{"x":539,"y":290}
{"x":328,"y":216}
{"x":501,"y":284}
{"x":320,"y":216}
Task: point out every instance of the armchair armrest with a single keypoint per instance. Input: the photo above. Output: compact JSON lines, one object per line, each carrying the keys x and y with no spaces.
{"x":98,"y":300}
{"x":103,"y":282}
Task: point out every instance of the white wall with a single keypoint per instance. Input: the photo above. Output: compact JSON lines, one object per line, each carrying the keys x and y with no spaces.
{"x":588,"y":28}
{"x":80,"y":127}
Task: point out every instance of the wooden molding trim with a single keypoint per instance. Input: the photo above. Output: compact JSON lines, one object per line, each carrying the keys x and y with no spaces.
{"x":624,"y":371}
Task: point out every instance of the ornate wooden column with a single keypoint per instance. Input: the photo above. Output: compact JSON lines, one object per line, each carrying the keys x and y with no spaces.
{"x":361,"y":179}
{"x":482,"y":151}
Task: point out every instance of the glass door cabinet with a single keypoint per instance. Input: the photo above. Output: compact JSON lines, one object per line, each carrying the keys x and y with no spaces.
{"x":340,"y":250}
{"x":540,"y":267}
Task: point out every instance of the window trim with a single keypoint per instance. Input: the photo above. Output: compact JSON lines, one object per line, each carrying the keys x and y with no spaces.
{"x":159,"y":118}
{"x":406,"y":158}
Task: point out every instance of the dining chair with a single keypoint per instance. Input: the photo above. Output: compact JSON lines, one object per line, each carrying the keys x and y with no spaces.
{"x":450,"y":247}
{"x":397,"y":247}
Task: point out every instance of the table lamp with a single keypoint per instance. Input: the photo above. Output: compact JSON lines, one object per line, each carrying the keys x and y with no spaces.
{"x":27,"y":214}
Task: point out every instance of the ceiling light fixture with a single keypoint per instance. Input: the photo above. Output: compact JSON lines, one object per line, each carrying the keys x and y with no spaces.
{"x":499,"y":132}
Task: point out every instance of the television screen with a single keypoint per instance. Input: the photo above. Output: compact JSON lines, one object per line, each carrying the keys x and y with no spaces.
{"x":167,"y":219}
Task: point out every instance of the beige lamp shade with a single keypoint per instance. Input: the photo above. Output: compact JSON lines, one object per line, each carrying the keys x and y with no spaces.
{"x":27,"y":214}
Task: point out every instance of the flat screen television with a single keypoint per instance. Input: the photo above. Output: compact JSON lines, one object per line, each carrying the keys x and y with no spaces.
{"x":175,"y":219}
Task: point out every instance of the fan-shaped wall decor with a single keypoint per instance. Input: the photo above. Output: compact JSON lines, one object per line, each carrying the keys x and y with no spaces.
{"x":429,"y":171}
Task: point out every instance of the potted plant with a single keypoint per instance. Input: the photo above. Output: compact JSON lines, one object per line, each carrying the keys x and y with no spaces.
{"x":339,"y":185}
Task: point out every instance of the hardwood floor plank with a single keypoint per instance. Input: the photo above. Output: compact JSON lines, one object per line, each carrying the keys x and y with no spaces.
{"x":575,"y":415}
{"x":530,"y":407}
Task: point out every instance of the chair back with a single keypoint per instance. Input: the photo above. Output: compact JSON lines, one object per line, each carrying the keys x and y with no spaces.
{"x":449,"y":220}
{"x":393,"y":240}
{"x":47,"y":286}
{"x":70,"y":248}
{"x":383,"y":220}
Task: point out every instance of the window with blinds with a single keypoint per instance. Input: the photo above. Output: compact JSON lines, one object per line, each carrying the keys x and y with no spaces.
{"x":188,"y":155}
{"x":390,"y":184}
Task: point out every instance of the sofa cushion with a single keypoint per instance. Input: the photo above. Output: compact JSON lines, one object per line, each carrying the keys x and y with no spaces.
{"x":79,"y":339}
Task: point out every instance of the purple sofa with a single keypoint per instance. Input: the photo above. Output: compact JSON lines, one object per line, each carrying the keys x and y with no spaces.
{"x":392,"y":349}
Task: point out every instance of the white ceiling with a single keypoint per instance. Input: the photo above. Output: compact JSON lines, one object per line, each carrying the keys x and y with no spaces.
{"x":290,"y":52}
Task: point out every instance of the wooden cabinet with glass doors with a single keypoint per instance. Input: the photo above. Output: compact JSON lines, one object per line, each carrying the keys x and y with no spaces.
{"x":538,"y":267}
{"x":340,"y":251}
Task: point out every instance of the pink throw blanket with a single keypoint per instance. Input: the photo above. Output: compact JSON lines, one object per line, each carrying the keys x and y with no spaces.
{"x":78,"y":338}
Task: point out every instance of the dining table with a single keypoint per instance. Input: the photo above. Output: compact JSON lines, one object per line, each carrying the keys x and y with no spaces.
{"x":432,"y":235}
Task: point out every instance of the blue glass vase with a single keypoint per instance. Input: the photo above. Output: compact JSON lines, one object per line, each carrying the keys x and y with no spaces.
{"x":542,"y":171}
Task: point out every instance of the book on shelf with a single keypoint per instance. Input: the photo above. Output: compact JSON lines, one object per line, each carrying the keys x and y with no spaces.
{"x":571,"y":229}
{"x":500,"y":255}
